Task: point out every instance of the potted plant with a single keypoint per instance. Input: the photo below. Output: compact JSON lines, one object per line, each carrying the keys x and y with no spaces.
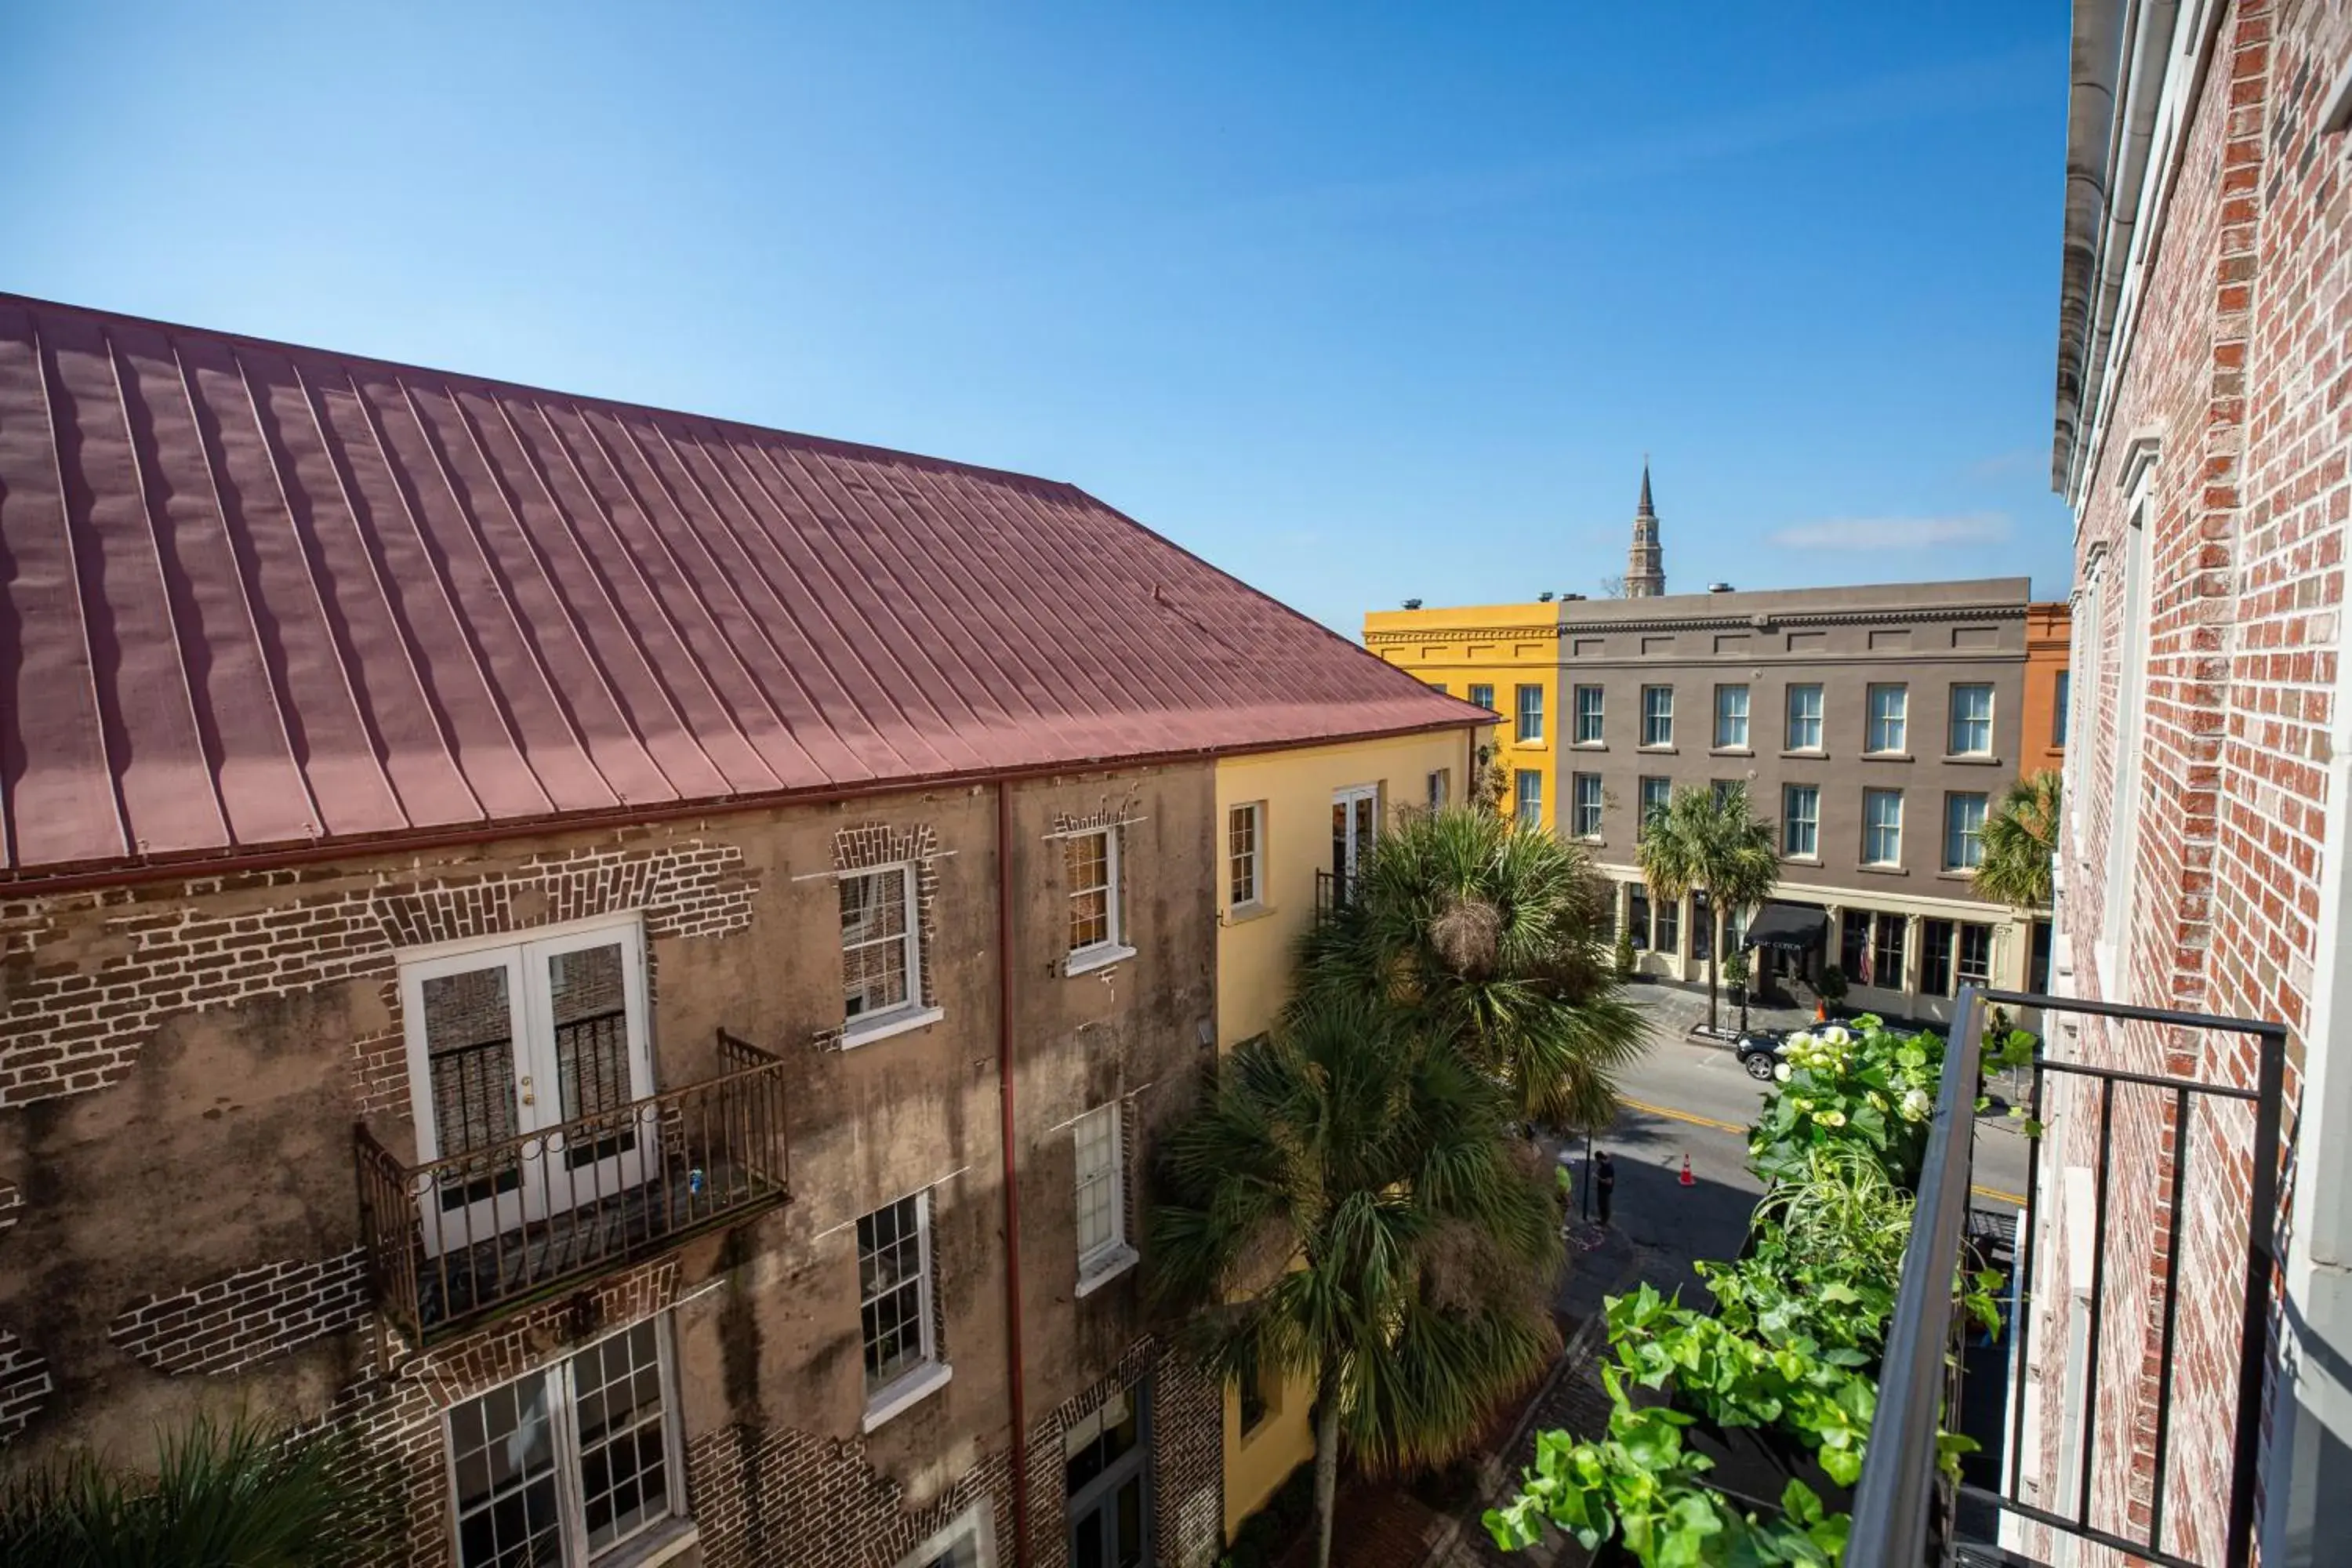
{"x":1624,"y":953}
{"x":1832,"y":987}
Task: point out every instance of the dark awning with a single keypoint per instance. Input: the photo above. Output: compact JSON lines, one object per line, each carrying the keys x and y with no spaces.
{"x":1794,"y":928}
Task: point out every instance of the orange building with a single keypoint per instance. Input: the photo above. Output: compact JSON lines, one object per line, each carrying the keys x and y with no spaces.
{"x":2049,"y":631}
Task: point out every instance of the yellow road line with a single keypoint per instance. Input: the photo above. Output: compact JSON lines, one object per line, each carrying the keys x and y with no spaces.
{"x":1995,"y":1193}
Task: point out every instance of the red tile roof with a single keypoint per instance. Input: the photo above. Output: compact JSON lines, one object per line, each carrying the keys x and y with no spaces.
{"x":258,"y":595}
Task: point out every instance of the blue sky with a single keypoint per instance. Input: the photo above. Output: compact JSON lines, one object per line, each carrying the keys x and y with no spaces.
{"x":1360,"y":302}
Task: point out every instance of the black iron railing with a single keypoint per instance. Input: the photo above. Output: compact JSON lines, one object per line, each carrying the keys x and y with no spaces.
{"x":457,"y":1241}
{"x":1333,"y":891}
{"x":1904,"y":1513}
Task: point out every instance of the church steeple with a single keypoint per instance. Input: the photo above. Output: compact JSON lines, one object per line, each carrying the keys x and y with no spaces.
{"x":1645,"y":567}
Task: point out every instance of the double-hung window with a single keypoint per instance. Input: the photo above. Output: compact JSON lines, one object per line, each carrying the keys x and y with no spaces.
{"x":1655,"y":793}
{"x":1440,"y":787}
{"x":1666,"y":926}
{"x":1103,"y":1250}
{"x":1887,"y":936}
{"x":1482,"y":697}
{"x":1584,"y":806}
{"x":1975,"y":964}
{"x":1882,"y":827}
{"x":567,"y":1464}
{"x":1800,"y":821}
{"x":1530,"y":712}
{"x":1731,"y":718}
{"x":1804,"y":718}
{"x":1657,"y":715}
{"x":1964,"y":817}
{"x":1971,"y":722}
{"x":1244,"y":840}
{"x":1090,"y":878}
{"x":2061,"y":694}
{"x":1588,"y":715}
{"x":881,"y":948}
{"x":894,"y":1307}
{"x":1527,"y":802}
{"x":1889,"y":716}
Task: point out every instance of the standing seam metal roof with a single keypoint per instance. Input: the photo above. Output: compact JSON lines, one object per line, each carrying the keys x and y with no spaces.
{"x":259,"y":595}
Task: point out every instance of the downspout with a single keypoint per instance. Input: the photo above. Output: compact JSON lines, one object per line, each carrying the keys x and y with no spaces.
{"x":1013,"y":1367}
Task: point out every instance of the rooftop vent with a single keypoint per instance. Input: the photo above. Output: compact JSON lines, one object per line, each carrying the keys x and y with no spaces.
{"x":1576,"y":596}
{"x":1412,"y":604}
{"x":1544,"y":597}
{"x":1718,"y":587}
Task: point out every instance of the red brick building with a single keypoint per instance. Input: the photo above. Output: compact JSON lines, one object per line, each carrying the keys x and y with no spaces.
{"x":638,"y":960}
{"x":2204,"y":427}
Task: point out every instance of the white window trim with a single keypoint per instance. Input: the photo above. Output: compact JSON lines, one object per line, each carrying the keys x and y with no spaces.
{"x":976,"y":1524}
{"x":1952,"y":718}
{"x":1518,"y":794}
{"x":1666,"y":714}
{"x":1115,"y":1256}
{"x":1113,"y":948}
{"x":1984,"y":809}
{"x":1520,"y":732}
{"x":1813,"y":822}
{"x":1867,"y":829}
{"x":654,"y":1544}
{"x":1722,"y":714}
{"x":931,"y":1374}
{"x":1902,"y":746}
{"x":1817,"y":717}
{"x":1599,"y":716}
{"x":1576,"y":805}
{"x":1256,"y":900}
{"x":867,"y":1027}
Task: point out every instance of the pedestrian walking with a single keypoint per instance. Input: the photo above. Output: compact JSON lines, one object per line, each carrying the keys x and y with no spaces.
{"x":1604,"y":1182}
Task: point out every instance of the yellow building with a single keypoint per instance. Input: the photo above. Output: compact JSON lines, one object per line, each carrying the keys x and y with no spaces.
{"x":1294,"y":822}
{"x":1504,"y":658}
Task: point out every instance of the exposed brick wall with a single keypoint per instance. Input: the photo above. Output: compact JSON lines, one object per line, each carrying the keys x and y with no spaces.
{"x":248,"y":1317}
{"x":2237,"y":366}
{"x":70,"y":1026}
{"x":25,"y":1385}
{"x":12,"y":1200}
{"x":787,"y":1499}
{"x":872,"y":844}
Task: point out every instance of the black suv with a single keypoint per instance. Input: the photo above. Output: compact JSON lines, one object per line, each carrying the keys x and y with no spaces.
{"x":1760,"y":1052}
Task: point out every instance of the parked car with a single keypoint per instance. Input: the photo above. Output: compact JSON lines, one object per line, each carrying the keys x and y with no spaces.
{"x":1760,"y":1052}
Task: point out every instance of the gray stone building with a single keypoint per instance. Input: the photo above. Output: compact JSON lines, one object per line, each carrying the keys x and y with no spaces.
{"x":1873,"y":726}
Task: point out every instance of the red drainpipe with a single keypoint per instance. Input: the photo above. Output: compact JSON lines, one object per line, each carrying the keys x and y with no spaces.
{"x":1012,"y":1172}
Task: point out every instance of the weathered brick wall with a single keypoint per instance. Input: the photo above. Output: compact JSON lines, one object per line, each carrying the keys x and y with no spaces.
{"x":246,"y":1318}
{"x":25,"y":1385}
{"x":2237,"y":366}
{"x":70,"y":1024}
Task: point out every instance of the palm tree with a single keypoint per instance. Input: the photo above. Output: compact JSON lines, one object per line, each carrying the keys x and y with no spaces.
{"x":1490,"y":937}
{"x":1706,"y":840}
{"x":1349,"y":1209}
{"x":246,"y":1492}
{"x":2020,"y":839}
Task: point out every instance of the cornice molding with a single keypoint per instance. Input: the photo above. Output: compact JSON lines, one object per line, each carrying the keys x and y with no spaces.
{"x":1767,"y":621}
{"x":1460,"y":634}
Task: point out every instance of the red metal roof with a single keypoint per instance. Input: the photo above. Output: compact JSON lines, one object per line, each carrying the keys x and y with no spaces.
{"x":258,"y":595}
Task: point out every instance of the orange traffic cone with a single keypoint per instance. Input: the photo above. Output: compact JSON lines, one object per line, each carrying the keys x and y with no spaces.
{"x":1820,"y":1011}
{"x":1688,"y":1179}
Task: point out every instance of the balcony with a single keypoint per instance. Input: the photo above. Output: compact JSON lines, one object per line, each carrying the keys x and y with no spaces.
{"x":2053,"y":1476}
{"x":456,"y":1242}
{"x":1332,"y":892}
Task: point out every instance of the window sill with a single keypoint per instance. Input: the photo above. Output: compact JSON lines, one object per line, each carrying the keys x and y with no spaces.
{"x":1887,"y":757}
{"x":856,"y":1033}
{"x":1869,"y":869}
{"x":1092,"y":958}
{"x":1668,"y":749}
{"x":664,"y":1544}
{"x":1956,"y":874}
{"x":905,"y":1394}
{"x":1242,"y":914}
{"x":1108,"y":1268}
{"x":1805,"y":753}
{"x":1588,"y":746}
{"x":1815,"y":860}
{"x":1731,"y":751}
{"x":1971,"y":760}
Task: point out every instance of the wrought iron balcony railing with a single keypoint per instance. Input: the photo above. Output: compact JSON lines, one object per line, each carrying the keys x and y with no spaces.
{"x":1332,"y":892}
{"x":457,"y":1241}
{"x":1903,"y":1511}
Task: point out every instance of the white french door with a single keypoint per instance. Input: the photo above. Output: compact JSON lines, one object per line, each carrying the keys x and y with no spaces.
{"x":1355,"y":823}
{"x":508,"y":1045}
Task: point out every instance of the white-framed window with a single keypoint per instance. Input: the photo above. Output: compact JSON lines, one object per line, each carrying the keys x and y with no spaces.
{"x":1731,"y":718}
{"x":508,"y":1040}
{"x":1100,"y":1138}
{"x":1090,"y":876}
{"x":1654,"y":795}
{"x":968,"y":1543}
{"x":1482,"y":697}
{"x":1657,"y":715}
{"x":1882,"y":827}
{"x":1441,"y":788}
{"x":1804,"y":718}
{"x":568,"y":1463}
{"x":1890,"y":707}
{"x":1584,"y":806}
{"x":1964,"y":818}
{"x":1800,"y":821}
{"x":1245,"y":855}
{"x":894,"y":1307}
{"x":1971,"y":722}
{"x":1526,"y":794}
{"x":881,"y":946}
{"x":2062,"y":693}
{"x":1529,"y":702}
{"x":1588,"y":715}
